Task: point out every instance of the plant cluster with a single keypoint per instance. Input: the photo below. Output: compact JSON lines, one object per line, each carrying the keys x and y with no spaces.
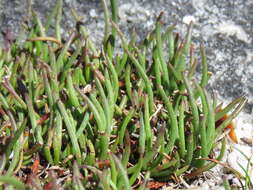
{"x":75,"y":116}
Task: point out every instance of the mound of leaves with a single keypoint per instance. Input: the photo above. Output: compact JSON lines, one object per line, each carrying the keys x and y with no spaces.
{"x":74,"y":116}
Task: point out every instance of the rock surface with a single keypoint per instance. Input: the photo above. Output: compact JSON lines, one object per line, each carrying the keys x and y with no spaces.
{"x":224,"y":26}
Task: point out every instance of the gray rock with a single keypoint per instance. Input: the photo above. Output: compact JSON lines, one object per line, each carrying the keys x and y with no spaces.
{"x":225,"y":26}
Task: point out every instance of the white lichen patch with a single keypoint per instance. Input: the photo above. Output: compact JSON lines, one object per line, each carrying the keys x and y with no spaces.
{"x":231,"y":29}
{"x":188,"y":19}
{"x":236,"y":159}
{"x":134,"y":11}
{"x":93,"y":13}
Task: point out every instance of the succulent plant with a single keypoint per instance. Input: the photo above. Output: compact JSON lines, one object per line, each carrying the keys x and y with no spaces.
{"x":73,"y":115}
